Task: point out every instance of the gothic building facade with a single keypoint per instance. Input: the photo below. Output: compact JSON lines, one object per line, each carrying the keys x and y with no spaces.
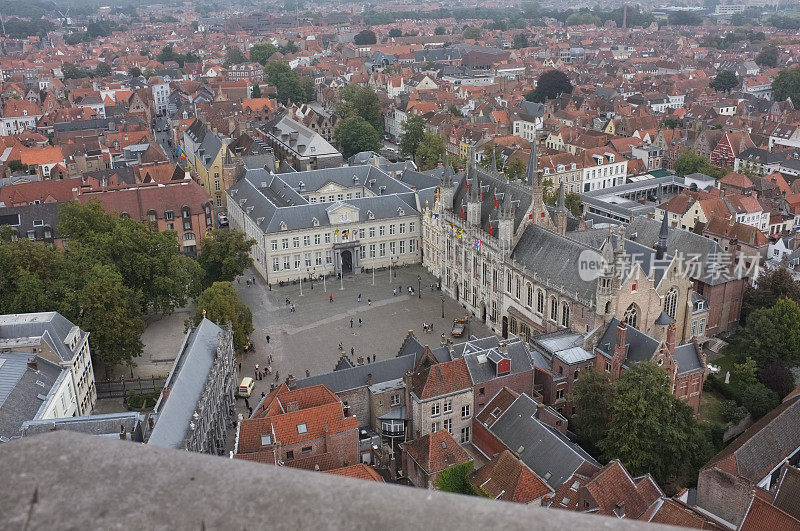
{"x":521,"y":266}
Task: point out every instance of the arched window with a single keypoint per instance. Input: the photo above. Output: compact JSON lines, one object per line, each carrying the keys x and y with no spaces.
{"x":608,"y":307}
{"x":540,"y":302}
{"x":518,"y":291}
{"x":524,"y":332}
{"x":553,"y":309}
{"x":671,"y":302}
{"x":530,"y":296}
{"x":565,"y":315}
{"x":513,"y":326}
{"x":631,"y":315}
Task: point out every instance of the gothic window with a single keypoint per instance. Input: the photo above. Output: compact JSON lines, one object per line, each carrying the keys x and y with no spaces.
{"x":631,"y":315}
{"x":553,"y":309}
{"x":565,"y":315}
{"x":530,"y":295}
{"x":671,"y":302}
{"x":540,"y":302}
{"x":608,"y":307}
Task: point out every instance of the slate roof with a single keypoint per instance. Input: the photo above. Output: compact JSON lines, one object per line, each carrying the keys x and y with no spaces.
{"x":21,"y":394}
{"x":547,"y":452}
{"x":787,"y":493}
{"x":22,"y":217}
{"x":51,"y":327}
{"x":638,"y":345}
{"x":764,"y":445}
{"x":103,"y":425}
{"x":481,"y":370}
{"x":186,"y":383}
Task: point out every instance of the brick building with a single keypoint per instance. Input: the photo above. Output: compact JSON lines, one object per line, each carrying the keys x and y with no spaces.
{"x":426,"y":457}
{"x":302,"y":428}
{"x":621,"y":346}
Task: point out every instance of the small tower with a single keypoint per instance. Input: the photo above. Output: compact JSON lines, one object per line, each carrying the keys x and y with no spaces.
{"x":474,"y":198}
{"x":494,"y":162}
{"x":446,"y":189}
{"x":560,"y":214}
{"x":537,"y":211}
{"x":663,"y":234}
{"x":605,"y":282}
{"x":505,"y":224}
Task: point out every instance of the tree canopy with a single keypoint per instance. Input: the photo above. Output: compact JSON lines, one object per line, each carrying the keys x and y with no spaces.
{"x":650,"y":429}
{"x":395,"y":32}
{"x":222,"y":305}
{"x":360,"y":101}
{"x":354,"y":134}
{"x":260,"y":53}
{"x":290,"y":86}
{"x":787,"y":85}
{"x":411,"y":135}
{"x":549,"y":85}
{"x":768,"y":56}
{"x":471,"y":32}
{"x":430,"y":151}
{"x":365,"y":37}
{"x":772,"y":335}
{"x":224,"y":255}
{"x":725,"y":81}
{"x":772,"y":285}
{"x":234,"y":56}
{"x":592,"y":395}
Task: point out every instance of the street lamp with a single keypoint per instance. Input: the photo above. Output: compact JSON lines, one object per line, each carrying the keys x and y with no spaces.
{"x":442,"y":307}
{"x":419,"y":286}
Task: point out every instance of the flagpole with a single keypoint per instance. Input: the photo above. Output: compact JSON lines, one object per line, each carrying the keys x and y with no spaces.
{"x":373,"y":270}
{"x":301,"y":281}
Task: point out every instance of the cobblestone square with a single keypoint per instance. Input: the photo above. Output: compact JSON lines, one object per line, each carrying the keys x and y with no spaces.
{"x":308,"y":338}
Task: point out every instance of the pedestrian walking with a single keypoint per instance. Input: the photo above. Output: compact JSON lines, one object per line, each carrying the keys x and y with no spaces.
{"x":263,"y":394}
{"x":269,"y":358}
{"x":246,"y":403}
{"x":292,"y":310}
{"x":287,"y":301}
{"x":394,"y":293}
{"x":248,"y":282}
{"x":251,"y":411}
{"x":373,"y":357}
{"x":256,"y":370}
{"x":330,"y":297}
{"x":369,"y":302}
{"x":351,"y":322}
{"x":352,"y":351}
{"x":268,"y":344}
{"x":240,"y":367}
{"x":340,"y":345}
{"x":254,"y":281}
{"x":359,"y":322}
{"x":359,"y":297}
{"x":238,"y":280}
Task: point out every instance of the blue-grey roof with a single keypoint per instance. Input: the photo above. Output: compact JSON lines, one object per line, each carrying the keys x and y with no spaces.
{"x":52,"y":327}
{"x":688,"y":358}
{"x":186,"y":384}
{"x":551,"y":455}
{"x":481,"y":370}
{"x":107,"y":424}
{"x":23,"y":390}
{"x":638,"y":345}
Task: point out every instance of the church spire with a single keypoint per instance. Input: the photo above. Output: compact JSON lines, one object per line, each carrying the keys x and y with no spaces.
{"x":663,"y":234}
{"x":532,"y":172}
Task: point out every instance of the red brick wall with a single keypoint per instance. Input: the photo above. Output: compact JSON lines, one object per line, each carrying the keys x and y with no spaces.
{"x":483,"y":439}
{"x":519,"y":383}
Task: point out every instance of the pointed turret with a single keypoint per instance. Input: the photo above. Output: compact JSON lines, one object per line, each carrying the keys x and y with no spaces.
{"x":505,"y":223}
{"x":663,"y":234}
{"x":560,"y":214}
{"x":532,"y":172}
{"x":473,"y":198}
{"x":494,"y":162}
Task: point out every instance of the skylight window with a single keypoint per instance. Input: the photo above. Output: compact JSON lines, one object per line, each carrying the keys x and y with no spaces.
{"x":302,"y":428}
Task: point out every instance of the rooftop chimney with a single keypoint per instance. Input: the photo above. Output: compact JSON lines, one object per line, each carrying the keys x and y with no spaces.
{"x":33,"y":364}
{"x":369,"y":379}
{"x":670,"y":341}
{"x":122,"y":432}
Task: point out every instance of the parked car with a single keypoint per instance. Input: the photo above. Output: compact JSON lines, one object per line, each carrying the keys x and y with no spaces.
{"x":223,"y":220}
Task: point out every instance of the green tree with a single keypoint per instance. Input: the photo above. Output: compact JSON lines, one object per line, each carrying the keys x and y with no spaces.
{"x":689,"y":162}
{"x":17,"y":165}
{"x":256,"y":92}
{"x":365,"y":37}
{"x":777,"y":378}
{"x":471,"y":32}
{"x":224,"y":255}
{"x":395,"y":32}
{"x":290,"y":86}
{"x":685,"y":18}
{"x":455,"y":479}
{"x":411,"y":135}
{"x":354,"y":135}
{"x":102,"y":69}
{"x":454,"y":110}
{"x":592,"y":395}
{"x":787,"y":84}
{"x":430,"y":151}
{"x":261,"y":52}
{"x":110,"y":312}
{"x":670,"y":123}
{"x":71,"y":71}
{"x":650,"y":429}
{"x":440,"y":30}
{"x":520,"y":41}
{"x":360,"y":101}
{"x":549,"y":85}
{"x":772,"y":285}
{"x":234,"y":56}
{"x":768,"y":56}
{"x":725,"y":81}
{"x":773,"y":334}
{"x":515,"y":169}
{"x":221,"y":304}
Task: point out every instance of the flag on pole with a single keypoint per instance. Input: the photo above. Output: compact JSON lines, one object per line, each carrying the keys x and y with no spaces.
{"x":478,"y":245}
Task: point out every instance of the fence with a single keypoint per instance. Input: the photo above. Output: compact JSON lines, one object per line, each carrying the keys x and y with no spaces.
{"x":120,"y":388}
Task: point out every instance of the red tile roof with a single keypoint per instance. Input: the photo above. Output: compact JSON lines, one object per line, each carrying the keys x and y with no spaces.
{"x":137,"y":201}
{"x":441,"y":379}
{"x":359,"y":471}
{"x":763,"y":515}
{"x":507,"y":478}
{"x":436,"y":451}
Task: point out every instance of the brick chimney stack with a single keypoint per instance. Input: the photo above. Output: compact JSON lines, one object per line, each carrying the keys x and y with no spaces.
{"x":619,"y":349}
{"x":122,"y":434}
{"x":670,"y":341}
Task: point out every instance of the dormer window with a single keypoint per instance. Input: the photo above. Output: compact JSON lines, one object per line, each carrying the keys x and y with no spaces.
{"x":547,"y":171}
{"x":283,"y":225}
{"x":370,"y":214}
{"x":401,"y":212}
{"x":315,"y":222}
